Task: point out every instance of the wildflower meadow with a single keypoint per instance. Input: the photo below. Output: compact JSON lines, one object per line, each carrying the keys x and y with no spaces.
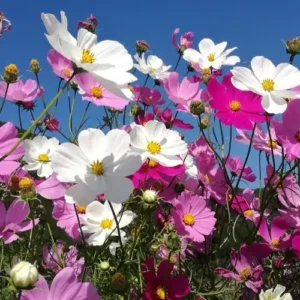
{"x":149,"y":200}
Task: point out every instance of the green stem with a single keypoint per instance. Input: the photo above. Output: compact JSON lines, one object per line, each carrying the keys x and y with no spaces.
{"x":4,"y":98}
{"x":82,"y":120}
{"x":71,"y":115}
{"x":19,"y":115}
{"x":42,"y":96}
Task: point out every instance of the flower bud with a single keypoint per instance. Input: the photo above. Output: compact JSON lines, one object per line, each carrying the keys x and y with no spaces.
{"x":179,"y":187}
{"x":34,"y":66}
{"x":173,"y":241}
{"x":27,"y":188}
{"x":277,"y":263}
{"x":74,"y":86}
{"x":293,"y":46}
{"x":204,"y":122}
{"x":135,"y":109}
{"x":154,"y":247}
{"x":28,"y":105}
{"x":24,"y":275}
{"x":197,"y":107}
{"x":104,"y":265}
{"x":11,"y":73}
{"x":141,"y":46}
{"x":118,"y":281}
{"x":150,"y":196}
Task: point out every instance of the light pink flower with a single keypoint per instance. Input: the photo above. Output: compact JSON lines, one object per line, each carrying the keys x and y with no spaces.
{"x":186,"y":40}
{"x":64,"y":286}
{"x":13,"y":220}
{"x":94,"y":92}
{"x":235,"y":165}
{"x":61,"y":66}
{"x":180,"y":93}
{"x":8,"y":138}
{"x":199,"y":146}
{"x":20,"y":91}
{"x":192,"y":218}
{"x":149,"y":97}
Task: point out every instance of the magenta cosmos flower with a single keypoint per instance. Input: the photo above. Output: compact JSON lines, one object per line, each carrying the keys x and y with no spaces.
{"x":8,"y":138}
{"x":235,"y":165}
{"x":160,"y":285}
{"x":20,"y":91}
{"x":192,"y":218}
{"x":13,"y":220}
{"x":180,"y":93}
{"x":247,"y":268}
{"x":93,"y":91}
{"x":288,"y":131}
{"x":233,"y":106}
{"x":186,"y":40}
{"x":149,"y":97}
{"x":64,"y":286}
{"x":61,"y":66}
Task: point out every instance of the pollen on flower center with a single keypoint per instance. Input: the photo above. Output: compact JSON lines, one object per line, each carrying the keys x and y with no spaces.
{"x":235,"y":105}
{"x":207,"y":178}
{"x":188,"y":219}
{"x":152,"y":163}
{"x":211,"y":57}
{"x":43,"y":157}
{"x":245,"y":273}
{"x":87,"y":56}
{"x":12,"y":69}
{"x":206,"y":71}
{"x":67,"y":73}
{"x":268,"y":85}
{"x":161,"y":293}
{"x":298,"y":136}
{"x":96,"y":91}
{"x":153,"y":70}
{"x":81,"y":209}
{"x":272,"y":144}
{"x":25,"y":183}
{"x":275,"y":242}
{"x":106,"y":224}
{"x":248,"y":213}
{"x":97,"y":168}
{"x":153,"y":147}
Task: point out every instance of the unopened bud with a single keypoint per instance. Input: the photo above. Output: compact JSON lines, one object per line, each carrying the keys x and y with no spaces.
{"x":24,"y":275}
{"x":28,"y":105}
{"x":11,"y":73}
{"x":179,"y":187}
{"x":27,"y":188}
{"x":141,"y":46}
{"x":150,"y":196}
{"x":204,"y":122}
{"x":154,"y":247}
{"x":293,"y":46}
{"x":104,"y":265}
{"x":277,"y":263}
{"x":34,"y":66}
{"x":135,"y":109}
{"x":197,"y":107}
{"x":173,"y":241}
{"x":74,"y":86}
{"x":118,"y":281}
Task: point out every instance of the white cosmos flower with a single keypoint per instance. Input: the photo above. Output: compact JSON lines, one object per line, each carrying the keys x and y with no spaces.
{"x":100,"y":223}
{"x":211,"y":55}
{"x":156,"y":142}
{"x":190,"y":168}
{"x":108,"y":61}
{"x":114,"y":246}
{"x":275,"y":294}
{"x":153,"y":67}
{"x":98,"y":165}
{"x":38,"y":155}
{"x":272,"y":83}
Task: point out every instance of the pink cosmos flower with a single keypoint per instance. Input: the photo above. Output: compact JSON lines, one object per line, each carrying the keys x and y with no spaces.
{"x":289,"y":194}
{"x":192,"y":218}
{"x":5,"y":24}
{"x":288,"y":132}
{"x":51,"y":123}
{"x":166,"y":116}
{"x":233,"y":106}
{"x":235,"y":165}
{"x":66,"y":217}
{"x":291,"y":216}
{"x":275,"y":237}
{"x":61,"y":66}
{"x":261,"y":140}
{"x":8,"y":138}
{"x":94,"y":92}
{"x":180,"y":93}
{"x":64,"y":286}
{"x":12,"y":181}
{"x":160,"y":284}
{"x":142,"y":118}
{"x":199,"y":146}
{"x":247,"y":268}
{"x":20,"y":91}
{"x":57,"y":258}
{"x":13,"y":220}
{"x":149,"y":97}
{"x":295,"y":243}
{"x":186,"y":40}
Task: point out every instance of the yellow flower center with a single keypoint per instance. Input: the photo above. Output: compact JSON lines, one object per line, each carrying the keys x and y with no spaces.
{"x":268,"y":85}
{"x":211,"y":57}
{"x":34,"y":62}
{"x":97,"y":168}
{"x":106,"y":224}
{"x":161,"y":293}
{"x":43,"y":157}
{"x":81,"y":209}
{"x":272,"y":144}
{"x":153,"y":147}
{"x":12,"y":69}
{"x":245,"y":273}
{"x":148,"y":100}
{"x":189,"y":219}
{"x":206,"y":71}
{"x":207,"y":178}
{"x":96,"y":91}
{"x":275,"y":242}
{"x":248,"y":213}
{"x":235,"y":105}
{"x":153,"y":70}
{"x":87,"y":57}
{"x":152,"y":163}
{"x":67,"y":73}
{"x":25,"y":183}
{"x":298,"y":136}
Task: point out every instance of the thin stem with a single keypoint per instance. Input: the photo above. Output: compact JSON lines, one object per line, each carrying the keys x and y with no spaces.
{"x":4,"y":98}
{"x":71,"y":115}
{"x":42,"y":96}
{"x":19,"y":115}
{"x":82,"y":120}
{"x":177,"y":63}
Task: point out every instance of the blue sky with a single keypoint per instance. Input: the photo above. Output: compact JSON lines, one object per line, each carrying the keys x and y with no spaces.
{"x":256,"y":27}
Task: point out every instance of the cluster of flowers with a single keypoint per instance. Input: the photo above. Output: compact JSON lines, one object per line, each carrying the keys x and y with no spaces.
{"x":89,"y":201}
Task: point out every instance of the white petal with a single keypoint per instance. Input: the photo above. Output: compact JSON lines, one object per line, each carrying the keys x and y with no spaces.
{"x":166,"y":160}
{"x":98,"y":238}
{"x":286,"y":77}
{"x":138,"y":137}
{"x":262,"y":67}
{"x":80,"y":194}
{"x":127,"y":218}
{"x":206,"y":47}
{"x":118,"y":189}
{"x":191,"y":55}
{"x":97,"y":211}
{"x":70,"y":51}
{"x":127,"y":165}
{"x":85,"y":39}
{"x":231,"y":60}
{"x":279,"y":289}
{"x":155,"y":131}
{"x":154,"y":62}
{"x":45,"y":170}
{"x":270,"y":104}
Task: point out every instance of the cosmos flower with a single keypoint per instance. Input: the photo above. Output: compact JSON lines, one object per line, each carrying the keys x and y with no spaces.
{"x":275,"y":294}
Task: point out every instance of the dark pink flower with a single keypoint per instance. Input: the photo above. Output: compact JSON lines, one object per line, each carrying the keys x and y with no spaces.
{"x":186,"y":40}
{"x":160,"y":285}
{"x":235,"y":107}
{"x":51,"y":123}
{"x":199,"y":146}
{"x":142,"y":118}
{"x":235,"y":165}
{"x":90,"y":24}
{"x":149,"y":97}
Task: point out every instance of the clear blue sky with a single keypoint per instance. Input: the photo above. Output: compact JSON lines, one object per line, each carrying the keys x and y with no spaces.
{"x":256,"y":27}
